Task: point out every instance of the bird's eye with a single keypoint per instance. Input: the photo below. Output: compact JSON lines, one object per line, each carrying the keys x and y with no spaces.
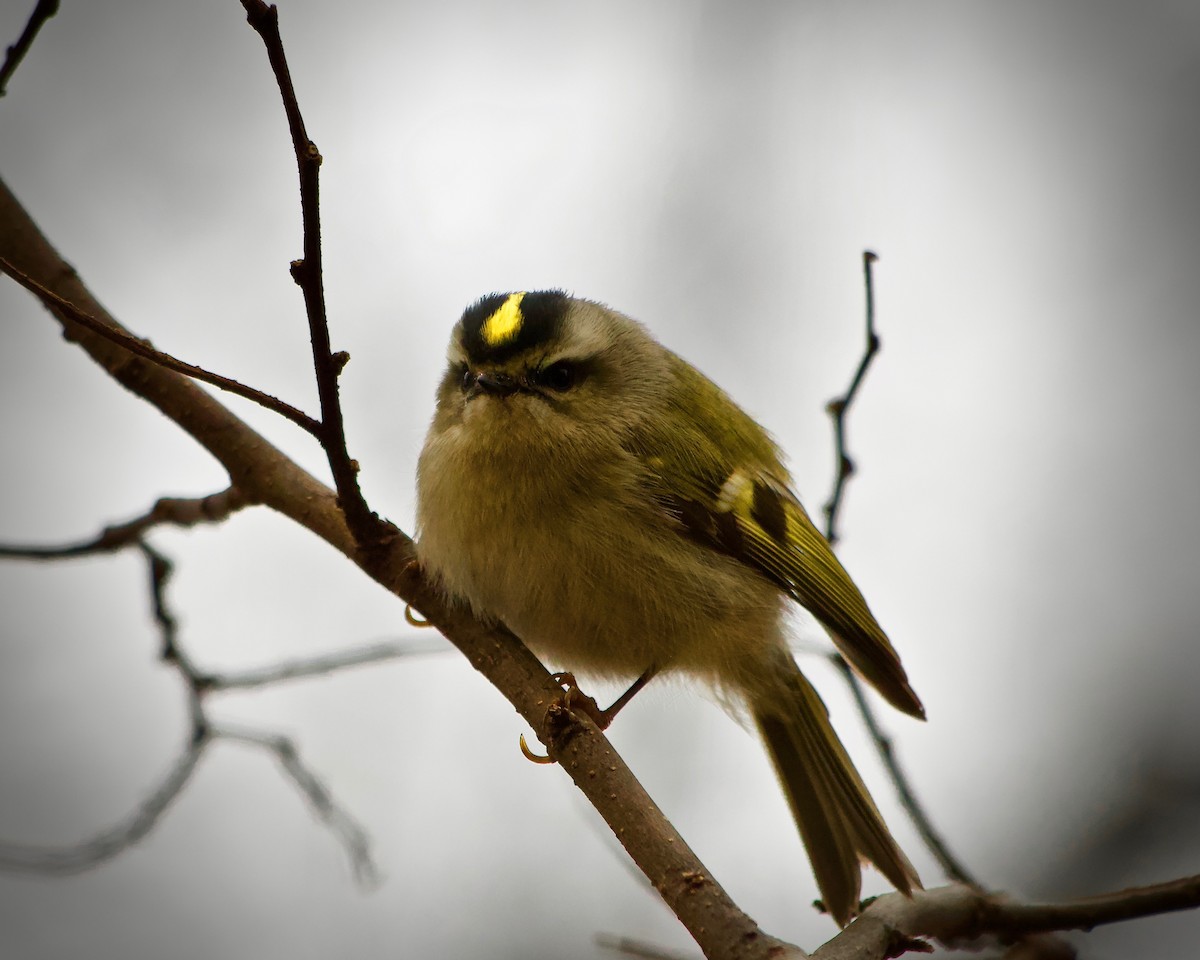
{"x":560,"y":376}
{"x":466,"y":379}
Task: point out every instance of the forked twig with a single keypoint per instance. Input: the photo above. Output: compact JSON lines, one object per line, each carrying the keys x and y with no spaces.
{"x":109,"y":843}
{"x":202,"y":730}
{"x":348,"y":830}
{"x":838,"y":408}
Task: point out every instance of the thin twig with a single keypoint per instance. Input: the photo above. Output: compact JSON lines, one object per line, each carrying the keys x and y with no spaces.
{"x":950,"y":864}
{"x":160,"y":569}
{"x":143,"y":349}
{"x":838,"y":409}
{"x":177,"y":511}
{"x":324,"y":664}
{"x":108,"y":843}
{"x":368,"y":529}
{"x":42,"y":12}
{"x":353,"y":837}
{"x":344,"y":826}
{"x":202,"y":731}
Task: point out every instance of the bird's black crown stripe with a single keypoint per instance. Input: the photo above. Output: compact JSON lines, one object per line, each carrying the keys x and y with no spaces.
{"x":536,"y":318}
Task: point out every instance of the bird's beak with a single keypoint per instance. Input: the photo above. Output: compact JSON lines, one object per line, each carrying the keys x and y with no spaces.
{"x":497,"y":384}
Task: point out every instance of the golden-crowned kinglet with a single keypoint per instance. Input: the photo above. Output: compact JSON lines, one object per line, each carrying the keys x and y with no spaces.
{"x":610,"y":505}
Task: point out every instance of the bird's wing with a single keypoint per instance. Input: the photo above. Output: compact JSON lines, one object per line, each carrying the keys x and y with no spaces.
{"x":750,"y":514}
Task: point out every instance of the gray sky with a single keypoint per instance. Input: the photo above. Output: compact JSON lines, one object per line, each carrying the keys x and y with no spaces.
{"x":1024,"y":522}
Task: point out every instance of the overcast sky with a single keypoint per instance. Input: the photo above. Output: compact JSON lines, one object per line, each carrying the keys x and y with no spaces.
{"x":1024,"y":522}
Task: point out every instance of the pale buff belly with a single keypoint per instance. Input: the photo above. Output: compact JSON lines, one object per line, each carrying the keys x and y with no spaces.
{"x":602,"y":589}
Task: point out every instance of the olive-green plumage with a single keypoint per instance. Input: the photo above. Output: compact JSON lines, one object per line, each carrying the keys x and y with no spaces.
{"x":613,"y":507}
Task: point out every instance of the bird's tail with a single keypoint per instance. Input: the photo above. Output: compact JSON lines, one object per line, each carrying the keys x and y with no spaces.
{"x":838,"y":821}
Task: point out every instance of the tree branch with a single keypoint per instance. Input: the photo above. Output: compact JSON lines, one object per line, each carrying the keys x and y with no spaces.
{"x":202,"y":732}
{"x":143,"y":349}
{"x":838,"y":409}
{"x":42,"y":12}
{"x":961,"y":916}
{"x":107,"y":844}
{"x":368,"y":529}
{"x":937,"y":845}
{"x":256,"y":467}
{"x":177,"y":511}
{"x":348,"y":830}
{"x":320,"y":665}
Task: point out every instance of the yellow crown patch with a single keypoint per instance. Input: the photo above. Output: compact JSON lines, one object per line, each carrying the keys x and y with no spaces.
{"x":505,"y":323}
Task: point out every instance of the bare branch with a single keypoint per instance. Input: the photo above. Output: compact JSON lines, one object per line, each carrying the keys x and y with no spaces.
{"x":960,"y":915}
{"x":719,"y":927}
{"x":254,"y":465}
{"x":343,"y":826}
{"x":42,"y":12}
{"x":202,"y":732}
{"x":107,"y":844}
{"x":160,"y":570}
{"x":937,"y":845}
{"x":838,"y":409}
{"x":177,"y":511}
{"x":143,"y":349}
{"x":368,"y":529}
{"x":78,"y":858}
{"x":348,"y":830}
{"x":328,"y":663}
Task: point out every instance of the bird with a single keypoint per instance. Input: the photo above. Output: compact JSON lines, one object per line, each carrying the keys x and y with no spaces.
{"x":596,"y":494}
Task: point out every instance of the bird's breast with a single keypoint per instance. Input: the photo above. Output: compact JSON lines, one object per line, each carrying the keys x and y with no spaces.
{"x":574,"y":558}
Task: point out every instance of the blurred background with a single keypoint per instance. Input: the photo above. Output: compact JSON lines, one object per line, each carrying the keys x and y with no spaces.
{"x":1024,"y":522}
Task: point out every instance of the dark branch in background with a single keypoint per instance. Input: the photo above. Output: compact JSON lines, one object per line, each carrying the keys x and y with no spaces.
{"x":160,"y":570}
{"x":883,"y":743}
{"x":143,"y":349}
{"x":352,"y":836}
{"x":107,"y":844}
{"x":202,"y":731}
{"x":177,"y":511}
{"x":368,"y":530}
{"x":328,"y":663}
{"x":44,"y":10}
{"x":838,"y":408}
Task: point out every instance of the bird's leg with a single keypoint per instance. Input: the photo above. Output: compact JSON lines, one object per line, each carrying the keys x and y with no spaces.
{"x":578,"y":700}
{"x":575,"y":699}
